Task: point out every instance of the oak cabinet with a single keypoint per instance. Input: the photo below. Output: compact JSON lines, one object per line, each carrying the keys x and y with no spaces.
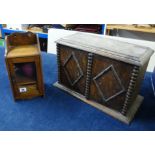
{"x":102,"y":72}
{"x":23,"y":63}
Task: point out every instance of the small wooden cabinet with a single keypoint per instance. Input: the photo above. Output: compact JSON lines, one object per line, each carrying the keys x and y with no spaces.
{"x":103,"y":72}
{"x":23,"y":63}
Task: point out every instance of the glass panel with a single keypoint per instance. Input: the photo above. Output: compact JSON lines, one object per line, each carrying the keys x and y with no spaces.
{"x":25,"y":73}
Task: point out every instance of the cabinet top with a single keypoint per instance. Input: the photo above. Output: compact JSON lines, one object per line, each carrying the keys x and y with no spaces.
{"x":112,"y":48}
{"x":21,"y":45}
{"x":23,"y":51}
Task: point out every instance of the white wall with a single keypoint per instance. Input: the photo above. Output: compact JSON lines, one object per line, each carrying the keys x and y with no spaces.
{"x":55,"y":34}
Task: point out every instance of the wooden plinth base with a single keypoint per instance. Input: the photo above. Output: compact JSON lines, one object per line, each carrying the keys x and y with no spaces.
{"x":126,"y":119}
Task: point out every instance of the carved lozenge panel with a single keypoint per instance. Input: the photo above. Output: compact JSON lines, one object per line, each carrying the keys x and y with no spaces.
{"x":109,"y":81}
{"x":73,"y":68}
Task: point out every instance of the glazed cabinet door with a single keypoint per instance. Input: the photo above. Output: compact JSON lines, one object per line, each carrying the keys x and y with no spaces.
{"x":72,"y":68}
{"x":109,"y":81}
{"x":25,"y":76}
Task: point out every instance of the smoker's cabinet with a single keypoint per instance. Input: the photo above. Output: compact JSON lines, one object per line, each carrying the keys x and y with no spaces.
{"x":23,"y":63}
{"x":102,"y":72}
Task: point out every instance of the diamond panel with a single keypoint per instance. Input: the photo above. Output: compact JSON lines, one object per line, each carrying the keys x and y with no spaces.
{"x":72,"y":69}
{"x":108,"y":84}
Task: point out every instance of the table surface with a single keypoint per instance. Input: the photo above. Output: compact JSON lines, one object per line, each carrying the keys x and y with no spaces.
{"x":130,"y":28}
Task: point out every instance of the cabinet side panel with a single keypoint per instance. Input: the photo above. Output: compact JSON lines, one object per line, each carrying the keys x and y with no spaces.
{"x":136,"y":79}
{"x":40,"y":81}
{"x":7,"y":62}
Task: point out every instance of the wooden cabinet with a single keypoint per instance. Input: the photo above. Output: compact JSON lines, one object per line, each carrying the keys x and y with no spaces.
{"x":103,"y":72}
{"x":23,"y":63}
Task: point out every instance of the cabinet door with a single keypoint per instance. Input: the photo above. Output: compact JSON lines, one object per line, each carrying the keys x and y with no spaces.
{"x":109,"y":81}
{"x":73,"y":68}
{"x":26,"y":76}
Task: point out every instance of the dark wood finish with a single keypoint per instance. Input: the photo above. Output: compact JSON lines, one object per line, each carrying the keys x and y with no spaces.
{"x":108,"y":72}
{"x":73,"y":68}
{"x":28,"y":38}
{"x":42,"y":41}
{"x":23,"y":61}
{"x":108,"y":84}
